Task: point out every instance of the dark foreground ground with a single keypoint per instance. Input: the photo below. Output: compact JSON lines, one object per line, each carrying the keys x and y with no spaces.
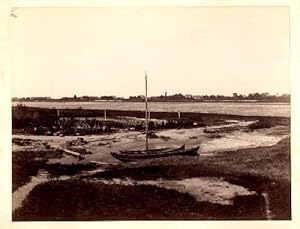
{"x":262,"y":169}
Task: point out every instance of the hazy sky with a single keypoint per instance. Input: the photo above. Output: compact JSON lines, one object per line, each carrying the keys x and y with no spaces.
{"x":105,"y":51}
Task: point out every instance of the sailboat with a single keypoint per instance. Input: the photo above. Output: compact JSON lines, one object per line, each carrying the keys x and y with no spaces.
{"x":131,"y":155}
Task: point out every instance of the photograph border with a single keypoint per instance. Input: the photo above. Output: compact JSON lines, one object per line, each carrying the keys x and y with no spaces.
{"x":5,"y":116}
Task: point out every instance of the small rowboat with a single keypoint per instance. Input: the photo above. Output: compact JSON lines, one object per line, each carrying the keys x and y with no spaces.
{"x":151,"y":151}
{"x":178,"y":152}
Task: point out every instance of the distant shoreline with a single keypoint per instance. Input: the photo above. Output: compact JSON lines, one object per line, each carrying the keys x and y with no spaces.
{"x":128,"y":101}
{"x":242,"y":108}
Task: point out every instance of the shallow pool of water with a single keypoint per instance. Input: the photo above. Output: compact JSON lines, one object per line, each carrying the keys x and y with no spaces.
{"x":21,"y":193}
{"x":204,"y":189}
{"x":238,"y":140}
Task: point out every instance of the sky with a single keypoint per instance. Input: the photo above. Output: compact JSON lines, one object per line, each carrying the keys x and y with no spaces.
{"x":190,"y":50}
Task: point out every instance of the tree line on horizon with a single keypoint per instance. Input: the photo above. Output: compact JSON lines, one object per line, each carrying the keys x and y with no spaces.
{"x":265,"y":97}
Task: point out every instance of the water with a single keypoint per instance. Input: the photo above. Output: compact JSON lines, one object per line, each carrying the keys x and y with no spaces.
{"x":207,"y":189}
{"x":240,"y":140}
{"x":237,"y":108}
{"x":22,"y":192}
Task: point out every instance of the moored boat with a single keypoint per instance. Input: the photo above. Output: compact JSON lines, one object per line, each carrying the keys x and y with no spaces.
{"x":131,"y":155}
{"x":150,"y":151}
{"x":175,"y":152}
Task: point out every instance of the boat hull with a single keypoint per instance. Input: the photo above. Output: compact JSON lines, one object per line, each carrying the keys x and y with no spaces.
{"x":152,"y":151}
{"x":133,"y":157}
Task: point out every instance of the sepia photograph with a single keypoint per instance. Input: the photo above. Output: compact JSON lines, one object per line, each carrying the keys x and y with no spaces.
{"x":151,"y":113}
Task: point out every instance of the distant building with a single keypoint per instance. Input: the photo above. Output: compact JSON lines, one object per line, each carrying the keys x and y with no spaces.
{"x":188,"y":96}
{"x":198,"y":97}
{"x":265,"y":94}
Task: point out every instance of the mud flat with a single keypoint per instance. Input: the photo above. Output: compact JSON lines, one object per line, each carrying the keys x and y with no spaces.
{"x":243,"y":171}
{"x":253,"y":183}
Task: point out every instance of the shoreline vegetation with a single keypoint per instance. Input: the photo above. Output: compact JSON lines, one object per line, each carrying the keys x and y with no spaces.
{"x":137,"y":191}
{"x":252,"y":97}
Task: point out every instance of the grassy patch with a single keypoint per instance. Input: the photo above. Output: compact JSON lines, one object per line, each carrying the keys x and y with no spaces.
{"x":58,"y":169}
{"x":78,"y":200}
{"x":271,"y":162}
{"x":27,"y":163}
{"x":269,"y":122}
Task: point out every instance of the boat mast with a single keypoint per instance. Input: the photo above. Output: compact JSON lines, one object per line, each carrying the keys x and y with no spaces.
{"x":146,"y":114}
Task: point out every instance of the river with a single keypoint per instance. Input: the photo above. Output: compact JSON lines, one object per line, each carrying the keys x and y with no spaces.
{"x":236,"y":108}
